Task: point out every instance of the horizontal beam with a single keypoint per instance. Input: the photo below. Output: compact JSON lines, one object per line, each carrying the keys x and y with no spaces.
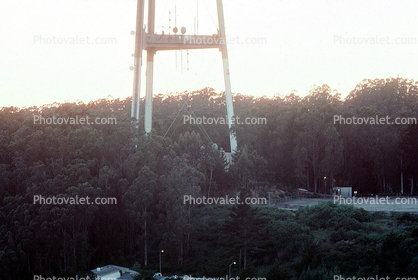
{"x":159,"y":42}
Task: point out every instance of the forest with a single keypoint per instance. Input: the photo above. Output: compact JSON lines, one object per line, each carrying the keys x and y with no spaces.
{"x":300,"y":146}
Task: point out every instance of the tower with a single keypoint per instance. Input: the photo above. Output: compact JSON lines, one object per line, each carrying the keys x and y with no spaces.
{"x":151,"y":42}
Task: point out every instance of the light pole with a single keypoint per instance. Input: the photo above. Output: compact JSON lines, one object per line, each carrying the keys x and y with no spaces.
{"x":162,"y":251}
{"x":269,"y":197}
{"x":230,"y":269}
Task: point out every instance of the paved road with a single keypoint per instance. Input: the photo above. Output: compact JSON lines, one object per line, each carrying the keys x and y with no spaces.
{"x":372,"y":204}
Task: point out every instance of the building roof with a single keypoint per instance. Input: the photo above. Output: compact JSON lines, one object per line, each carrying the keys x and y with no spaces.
{"x":108,"y":269}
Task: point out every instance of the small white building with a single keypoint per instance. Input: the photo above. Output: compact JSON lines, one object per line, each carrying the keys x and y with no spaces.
{"x":343,"y":191}
{"x":113,"y":272}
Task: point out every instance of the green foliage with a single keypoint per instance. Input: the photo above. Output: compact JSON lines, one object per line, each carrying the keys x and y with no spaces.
{"x":407,"y":217}
{"x":398,"y":253}
{"x":276,"y":271}
{"x":328,"y":214}
{"x":319,"y":273}
{"x":300,"y":146}
{"x":145,"y":274}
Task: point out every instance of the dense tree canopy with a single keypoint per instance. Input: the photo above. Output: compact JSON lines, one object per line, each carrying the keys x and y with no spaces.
{"x":301,"y":145}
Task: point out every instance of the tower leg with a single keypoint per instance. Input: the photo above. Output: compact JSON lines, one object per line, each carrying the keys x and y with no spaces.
{"x":137,"y":60}
{"x":148,"y":97}
{"x":150,"y":69}
{"x":228,"y":93}
{"x":137,"y":89}
{"x":229,"y":104}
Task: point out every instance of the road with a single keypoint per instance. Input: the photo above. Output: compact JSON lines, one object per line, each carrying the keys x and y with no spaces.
{"x":372,"y":204}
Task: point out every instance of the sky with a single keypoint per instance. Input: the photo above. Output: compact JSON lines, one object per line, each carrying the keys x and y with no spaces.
{"x":81,"y":50}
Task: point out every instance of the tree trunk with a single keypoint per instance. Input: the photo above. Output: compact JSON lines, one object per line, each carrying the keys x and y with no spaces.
{"x":401,"y":177}
{"x":412,"y":185}
{"x":245,"y":258}
{"x":401,"y":182}
{"x":239,"y":261}
{"x":314,"y":168}
{"x":181,"y":254}
{"x":145,"y":240}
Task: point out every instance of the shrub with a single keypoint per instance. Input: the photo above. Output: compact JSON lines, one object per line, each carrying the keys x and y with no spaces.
{"x":327,"y":214}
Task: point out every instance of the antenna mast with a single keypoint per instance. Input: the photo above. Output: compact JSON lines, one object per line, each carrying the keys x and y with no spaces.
{"x":151,"y":42}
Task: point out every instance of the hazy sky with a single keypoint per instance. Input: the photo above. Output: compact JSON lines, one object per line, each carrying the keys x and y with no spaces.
{"x":55,"y":50}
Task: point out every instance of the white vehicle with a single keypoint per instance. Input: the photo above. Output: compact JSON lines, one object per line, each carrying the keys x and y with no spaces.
{"x":158,"y":276}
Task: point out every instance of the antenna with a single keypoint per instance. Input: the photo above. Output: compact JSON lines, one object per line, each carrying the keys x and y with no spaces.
{"x":175,"y":27}
{"x":148,"y":40}
{"x":169,"y":22}
{"x":187,"y":60}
